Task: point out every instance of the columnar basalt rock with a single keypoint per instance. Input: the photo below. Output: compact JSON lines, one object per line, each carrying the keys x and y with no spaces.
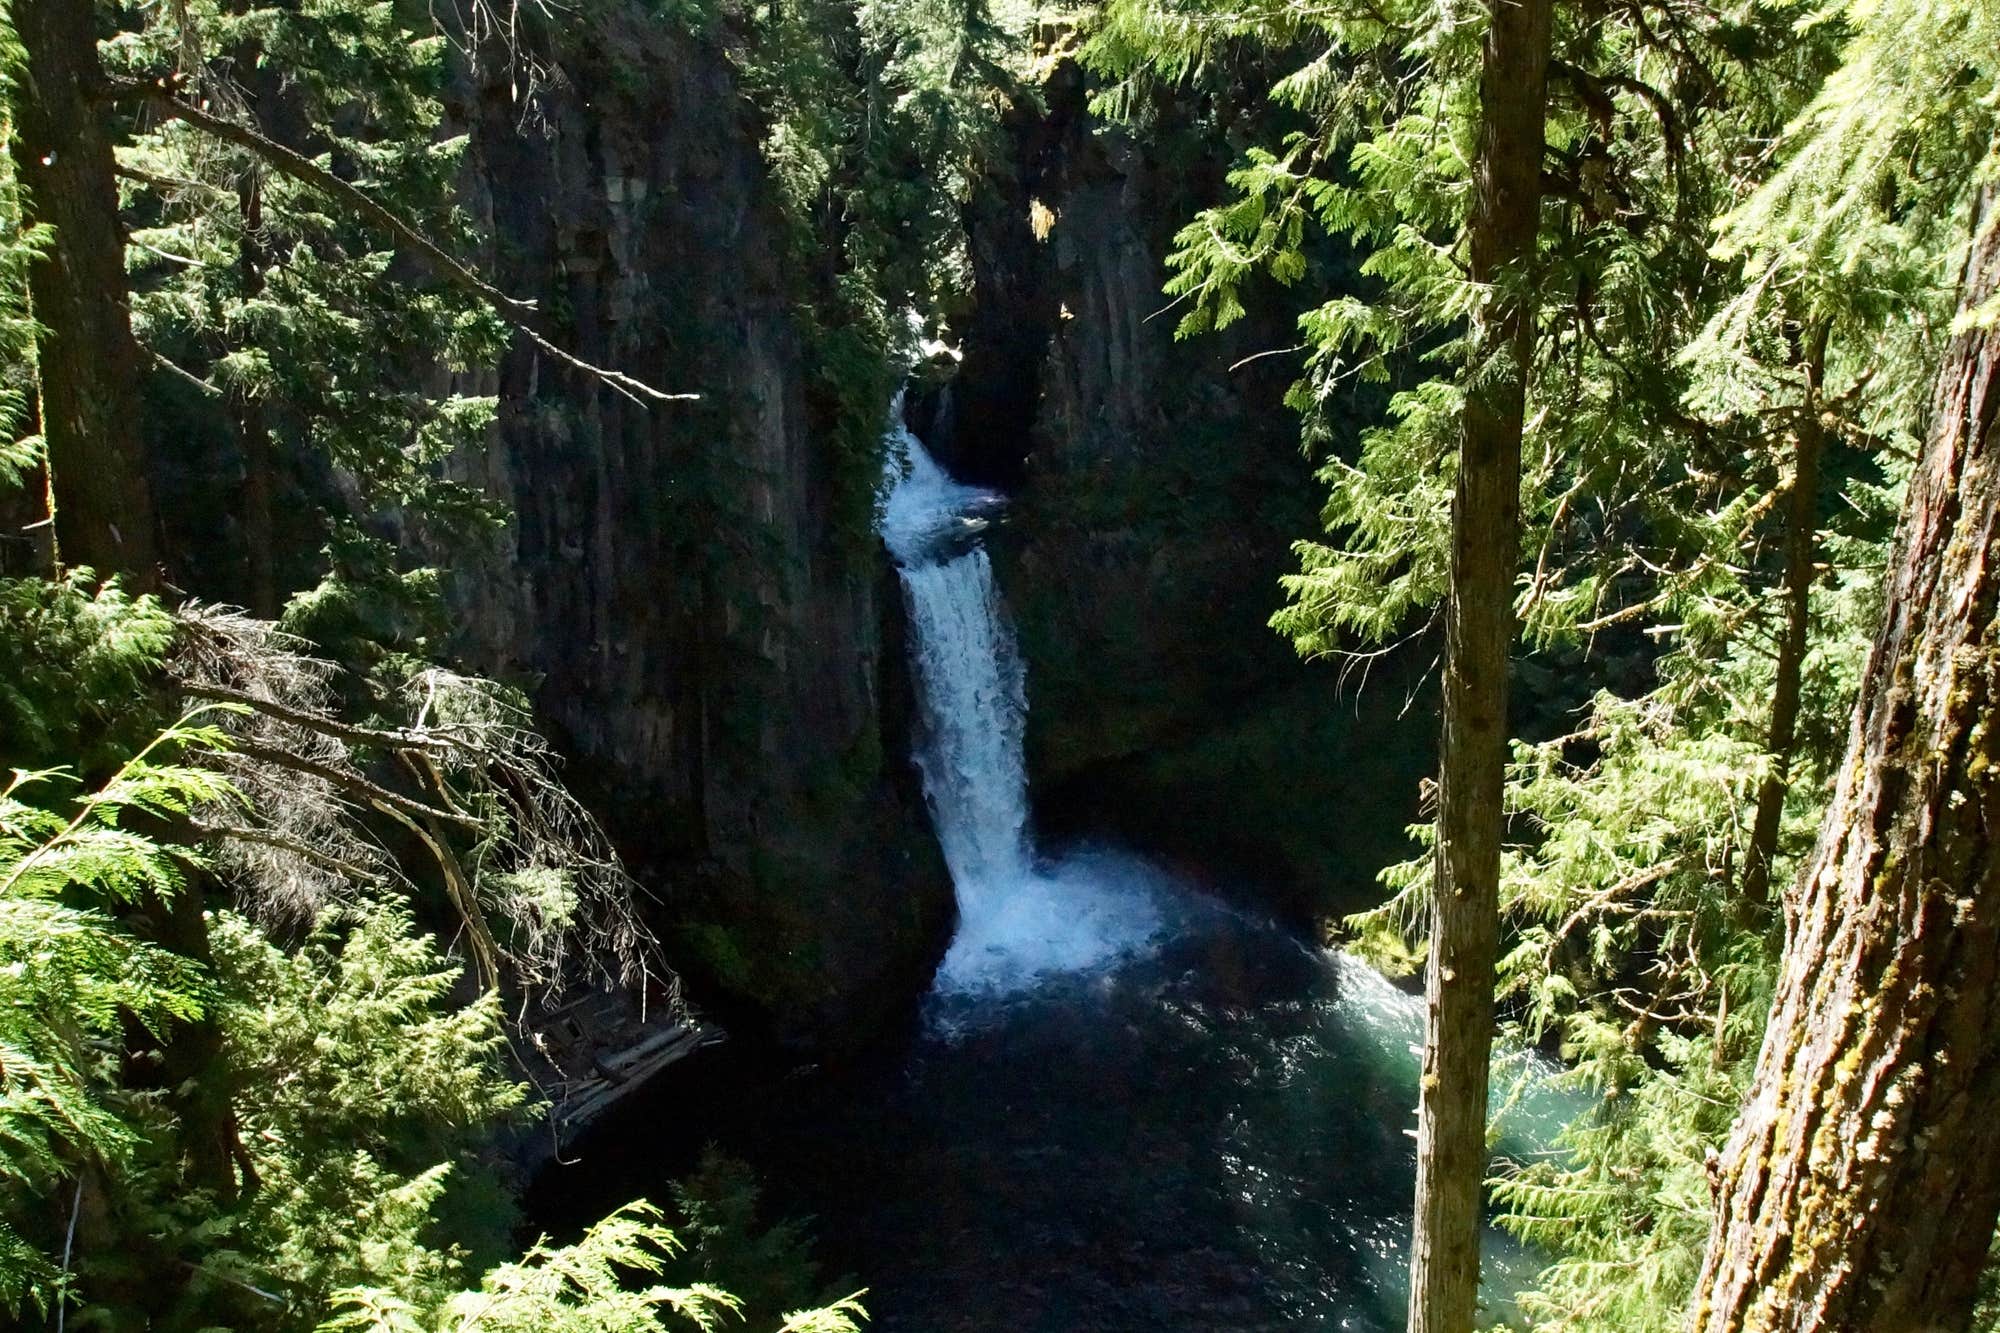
{"x":707,"y":645}
{"x":1158,"y":487}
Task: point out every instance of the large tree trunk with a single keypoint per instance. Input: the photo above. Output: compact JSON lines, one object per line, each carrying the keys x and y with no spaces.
{"x":1860,"y":1189}
{"x":188,"y":1063}
{"x":87,"y":363}
{"x":1451,"y":1118}
{"x":88,"y":368}
{"x":1801,"y":530}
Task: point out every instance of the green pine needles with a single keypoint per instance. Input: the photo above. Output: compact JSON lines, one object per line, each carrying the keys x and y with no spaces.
{"x":579,"y":1288}
{"x":358,"y":1089}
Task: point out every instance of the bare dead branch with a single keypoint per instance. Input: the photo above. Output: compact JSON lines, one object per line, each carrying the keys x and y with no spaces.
{"x":160,"y":95}
{"x":372,"y":792}
{"x":515,"y":844}
{"x":182,"y":373}
{"x":485,"y":953}
{"x":266,"y":838}
{"x":376,"y":737}
{"x":160,"y":182}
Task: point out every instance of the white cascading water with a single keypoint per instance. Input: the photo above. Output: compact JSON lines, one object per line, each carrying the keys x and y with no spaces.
{"x":1020,"y":919}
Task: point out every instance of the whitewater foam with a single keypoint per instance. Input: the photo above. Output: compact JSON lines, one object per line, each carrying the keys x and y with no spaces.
{"x":1020,"y":918}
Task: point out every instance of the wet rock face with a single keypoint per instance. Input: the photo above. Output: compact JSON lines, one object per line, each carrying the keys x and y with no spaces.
{"x":715,"y":657}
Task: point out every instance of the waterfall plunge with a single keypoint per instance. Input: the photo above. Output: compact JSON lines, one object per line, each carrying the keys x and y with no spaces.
{"x":1020,"y":918}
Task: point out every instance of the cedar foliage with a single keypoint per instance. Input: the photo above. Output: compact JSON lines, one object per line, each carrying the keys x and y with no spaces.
{"x":1746,"y":255}
{"x":1750,"y":234}
{"x":306,"y":316}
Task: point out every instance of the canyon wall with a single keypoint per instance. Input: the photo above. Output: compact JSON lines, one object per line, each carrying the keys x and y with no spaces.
{"x":715,"y":652}
{"x":1159,"y":486}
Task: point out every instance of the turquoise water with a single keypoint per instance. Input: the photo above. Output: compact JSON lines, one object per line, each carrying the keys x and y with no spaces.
{"x":1209,"y":1132}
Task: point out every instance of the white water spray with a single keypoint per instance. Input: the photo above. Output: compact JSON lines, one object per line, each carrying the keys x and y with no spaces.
{"x":1020,"y":919}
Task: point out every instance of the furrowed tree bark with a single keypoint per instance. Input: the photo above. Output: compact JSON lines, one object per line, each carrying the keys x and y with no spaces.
{"x":1479,"y":628}
{"x":1801,"y":529}
{"x":1860,"y":1189}
{"x":88,"y":365}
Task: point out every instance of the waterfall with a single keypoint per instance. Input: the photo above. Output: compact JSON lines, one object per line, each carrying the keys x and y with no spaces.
{"x":1131,"y":1107}
{"x":968,"y":675}
{"x":1021,"y":917}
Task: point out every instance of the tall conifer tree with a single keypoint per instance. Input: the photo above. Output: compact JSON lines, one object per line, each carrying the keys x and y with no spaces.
{"x":88,"y":365}
{"x":1479,"y":632}
{"x":1861,"y":1186}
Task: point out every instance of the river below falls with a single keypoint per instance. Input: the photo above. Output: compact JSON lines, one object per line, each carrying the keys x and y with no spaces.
{"x":1208,"y":1133}
{"x":1125,"y":1106}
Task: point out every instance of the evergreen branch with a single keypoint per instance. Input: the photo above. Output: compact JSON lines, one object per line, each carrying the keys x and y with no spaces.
{"x":1594,"y":90}
{"x":1631,"y":884}
{"x":160,"y":95}
{"x":102,"y":797}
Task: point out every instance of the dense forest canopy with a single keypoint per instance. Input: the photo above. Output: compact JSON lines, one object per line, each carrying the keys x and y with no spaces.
{"x":1758,"y":298}
{"x":1649,"y":361}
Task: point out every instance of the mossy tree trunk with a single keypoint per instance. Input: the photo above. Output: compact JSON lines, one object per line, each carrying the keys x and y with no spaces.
{"x":1479,"y":630}
{"x":87,"y":363}
{"x":1860,"y":1189}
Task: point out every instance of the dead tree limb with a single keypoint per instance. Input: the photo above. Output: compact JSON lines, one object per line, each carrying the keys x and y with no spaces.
{"x":373,"y":793}
{"x":485,"y":951}
{"x":266,"y":838}
{"x":376,"y":737}
{"x":160,"y":95}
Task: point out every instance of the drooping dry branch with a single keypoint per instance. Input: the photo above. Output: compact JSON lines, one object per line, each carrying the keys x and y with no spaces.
{"x":483,"y":790}
{"x":485,"y":953}
{"x":268,"y":673}
{"x":279,"y":842}
{"x":546,"y":863}
{"x":372,"y":792}
{"x":326,"y":726}
{"x":160,"y":96}
{"x":548,"y":912}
